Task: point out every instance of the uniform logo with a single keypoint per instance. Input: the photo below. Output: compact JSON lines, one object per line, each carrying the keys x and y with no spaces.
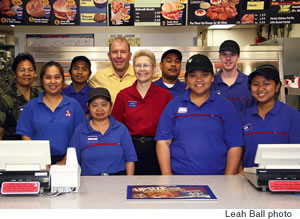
{"x":218,"y":92}
{"x":247,"y":128}
{"x":92,"y":138}
{"x":132,"y":104}
{"x":68,"y":113}
{"x":182,"y":110}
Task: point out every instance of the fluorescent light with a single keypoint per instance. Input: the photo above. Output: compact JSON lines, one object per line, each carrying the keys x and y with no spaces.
{"x":220,"y":26}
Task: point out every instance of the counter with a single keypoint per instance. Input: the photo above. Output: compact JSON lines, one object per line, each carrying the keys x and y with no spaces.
{"x":110,"y":192}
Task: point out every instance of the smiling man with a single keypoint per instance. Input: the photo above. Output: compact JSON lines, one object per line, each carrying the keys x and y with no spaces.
{"x":230,"y":81}
{"x":170,"y":67}
{"x":79,"y":89}
{"x":119,"y":74}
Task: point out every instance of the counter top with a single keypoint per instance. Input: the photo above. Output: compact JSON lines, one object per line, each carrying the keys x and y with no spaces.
{"x":110,"y":192}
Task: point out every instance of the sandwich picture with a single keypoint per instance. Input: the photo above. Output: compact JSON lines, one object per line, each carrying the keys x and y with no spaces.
{"x":172,"y":10}
{"x":62,"y":10}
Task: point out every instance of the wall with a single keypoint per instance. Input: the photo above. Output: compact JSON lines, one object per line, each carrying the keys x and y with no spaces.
{"x":150,"y":36}
{"x":242,"y":36}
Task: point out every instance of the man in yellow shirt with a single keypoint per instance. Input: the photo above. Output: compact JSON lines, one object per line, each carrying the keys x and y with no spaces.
{"x":119,"y":74}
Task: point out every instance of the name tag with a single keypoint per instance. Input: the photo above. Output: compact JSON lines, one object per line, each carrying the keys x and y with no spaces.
{"x":92,"y":138}
{"x":132,"y":104}
{"x":182,"y":110}
{"x":247,"y":128}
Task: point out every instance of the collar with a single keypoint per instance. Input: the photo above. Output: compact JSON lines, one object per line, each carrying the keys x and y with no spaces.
{"x":113,"y":124}
{"x":219,"y":80}
{"x":135,"y":92}
{"x":65,"y":100}
{"x":177,"y":85}
{"x":274,"y":111}
{"x":111,"y":72}
{"x":187,"y":95}
{"x":83,"y":90}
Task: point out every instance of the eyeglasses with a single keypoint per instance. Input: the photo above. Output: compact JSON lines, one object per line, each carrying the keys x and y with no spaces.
{"x":140,"y":66}
{"x":29,"y":70}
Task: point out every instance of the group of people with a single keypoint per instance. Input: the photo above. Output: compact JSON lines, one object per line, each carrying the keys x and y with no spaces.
{"x":122,"y":121}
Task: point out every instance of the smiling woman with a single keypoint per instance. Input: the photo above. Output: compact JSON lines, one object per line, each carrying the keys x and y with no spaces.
{"x":52,"y":116}
{"x":139,"y":108}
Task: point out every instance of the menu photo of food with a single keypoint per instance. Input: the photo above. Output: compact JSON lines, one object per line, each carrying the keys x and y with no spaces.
{"x":213,"y":12}
{"x":173,"y":13}
{"x":11,"y":11}
{"x":121,"y":12}
{"x":65,"y":12}
{"x":93,"y":13}
{"x":37,"y":12}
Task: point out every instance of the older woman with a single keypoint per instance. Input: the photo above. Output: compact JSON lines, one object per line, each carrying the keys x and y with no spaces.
{"x":103,"y":145}
{"x":199,"y":132}
{"x":14,"y":98}
{"x":269,"y":121}
{"x":139,"y":108}
{"x":51,"y":116}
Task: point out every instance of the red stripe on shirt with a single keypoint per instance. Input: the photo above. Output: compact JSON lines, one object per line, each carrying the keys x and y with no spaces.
{"x":262,"y":133}
{"x":235,"y":98}
{"x":100,"y":144}
{"x":210,"y":115}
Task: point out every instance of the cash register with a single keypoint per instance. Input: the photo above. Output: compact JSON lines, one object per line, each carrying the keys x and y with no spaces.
{"x":278,"y":168}
{"x":25,"y":168}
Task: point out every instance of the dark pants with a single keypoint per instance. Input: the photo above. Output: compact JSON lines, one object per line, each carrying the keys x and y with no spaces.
{"x":55,"y":159}
{"x":147,"y":163}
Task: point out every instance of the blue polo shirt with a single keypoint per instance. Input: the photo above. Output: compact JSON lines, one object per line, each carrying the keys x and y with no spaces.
{"x":106,"y":153}
{"x":201,"y":136}
{"x":177,"y":89}
{"x":280,"y":126}
{"x":38,"y":122}
{"x":238,"y":93}
{"x":81,"y":96}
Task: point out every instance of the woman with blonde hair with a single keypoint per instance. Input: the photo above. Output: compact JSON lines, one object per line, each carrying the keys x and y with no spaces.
{"x":139,"y":107}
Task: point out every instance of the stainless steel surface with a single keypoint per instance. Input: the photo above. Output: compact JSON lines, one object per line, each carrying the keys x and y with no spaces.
{"x":250,"y":57}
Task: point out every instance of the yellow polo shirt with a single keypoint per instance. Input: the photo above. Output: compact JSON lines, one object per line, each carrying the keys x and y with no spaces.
{"x":108,"y":79}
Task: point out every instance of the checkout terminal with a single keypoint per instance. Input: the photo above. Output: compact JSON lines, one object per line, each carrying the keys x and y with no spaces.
{"x":278,"y":168}
{"x":25,"y":168}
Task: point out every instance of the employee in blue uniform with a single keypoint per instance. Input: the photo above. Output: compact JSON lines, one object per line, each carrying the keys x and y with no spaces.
{"x":199,"y":132}
{"x":103,"y":145}
{"x":51,"y":116}
{"x":79,"y":89}
{"x":268,"y":121}
{"x":170,"y":66}
{"x":230,"y":82}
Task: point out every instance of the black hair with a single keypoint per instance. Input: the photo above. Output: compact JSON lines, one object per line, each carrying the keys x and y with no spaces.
{"x":50,"y":64}
{"x":22,"y":57}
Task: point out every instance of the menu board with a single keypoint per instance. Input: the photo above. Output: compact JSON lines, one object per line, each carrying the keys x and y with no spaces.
{"x":213,"y":12}
{"x":93,"y":12}
{"x":284,"y":12}
{"x":148,"y":12}
{"x":40,"y":12}
{"x":173,"y":12}
{"x":121,"y":12}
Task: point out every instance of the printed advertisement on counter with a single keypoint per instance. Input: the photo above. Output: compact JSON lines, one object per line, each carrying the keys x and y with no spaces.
{"x":93,"y":12}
